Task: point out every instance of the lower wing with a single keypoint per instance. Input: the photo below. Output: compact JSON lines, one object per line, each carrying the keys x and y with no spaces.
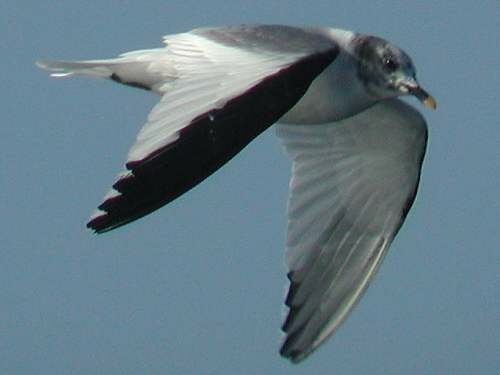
{"x":352,"y":185}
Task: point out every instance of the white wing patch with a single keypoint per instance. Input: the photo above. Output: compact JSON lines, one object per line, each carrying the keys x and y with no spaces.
{"x":207,"y":76}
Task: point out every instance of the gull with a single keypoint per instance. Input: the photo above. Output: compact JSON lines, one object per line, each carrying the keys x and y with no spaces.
{"x":356,"y":148}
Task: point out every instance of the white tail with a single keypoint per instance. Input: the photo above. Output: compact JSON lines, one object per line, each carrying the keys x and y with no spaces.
{"x":145,"y":69}
{"x":96,"y":68}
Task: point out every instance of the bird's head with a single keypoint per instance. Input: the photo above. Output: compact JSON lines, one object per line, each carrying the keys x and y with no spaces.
{"x":388,"y":71}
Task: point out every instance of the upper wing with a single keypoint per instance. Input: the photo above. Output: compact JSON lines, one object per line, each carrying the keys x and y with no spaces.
{"x":226,"y":86}
{"x":352,"y":185}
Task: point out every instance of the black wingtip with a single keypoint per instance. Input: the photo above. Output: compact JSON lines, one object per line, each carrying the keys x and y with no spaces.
{"x":295,"y":356}
{"x":292,"y":289}
{"x":99,"y":224}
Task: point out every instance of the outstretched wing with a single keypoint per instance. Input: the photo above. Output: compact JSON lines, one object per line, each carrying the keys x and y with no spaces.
{"x":352,"y":185}
{"x":224,"y":87}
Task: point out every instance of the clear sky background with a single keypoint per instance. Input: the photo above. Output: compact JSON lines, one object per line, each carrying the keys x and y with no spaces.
{"x":198,"y":286}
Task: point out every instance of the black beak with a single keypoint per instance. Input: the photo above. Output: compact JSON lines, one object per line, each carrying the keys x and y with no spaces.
{"x":423,"y":96}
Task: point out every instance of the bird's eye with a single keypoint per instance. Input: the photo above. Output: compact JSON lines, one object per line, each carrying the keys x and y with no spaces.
{"x":389,"y":64}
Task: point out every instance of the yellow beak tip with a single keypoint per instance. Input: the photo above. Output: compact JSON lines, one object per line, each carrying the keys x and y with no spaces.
{"x":430,"y":102}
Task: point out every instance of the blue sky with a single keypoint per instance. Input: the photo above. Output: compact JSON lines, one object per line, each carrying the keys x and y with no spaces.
{"x":198,"y":286}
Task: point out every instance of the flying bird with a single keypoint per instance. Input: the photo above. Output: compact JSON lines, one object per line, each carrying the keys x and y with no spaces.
{"x":356,"y":148}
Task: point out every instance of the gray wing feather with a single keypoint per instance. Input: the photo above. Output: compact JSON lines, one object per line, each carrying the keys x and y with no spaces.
{"x":352,"y":185}
{"x":271,"y":38}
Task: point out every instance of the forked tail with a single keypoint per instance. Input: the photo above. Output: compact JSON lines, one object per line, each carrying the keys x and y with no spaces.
{"x":146,"y":69}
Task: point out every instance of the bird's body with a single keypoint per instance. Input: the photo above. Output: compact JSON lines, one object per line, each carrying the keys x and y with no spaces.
{"x":356,"y":149}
